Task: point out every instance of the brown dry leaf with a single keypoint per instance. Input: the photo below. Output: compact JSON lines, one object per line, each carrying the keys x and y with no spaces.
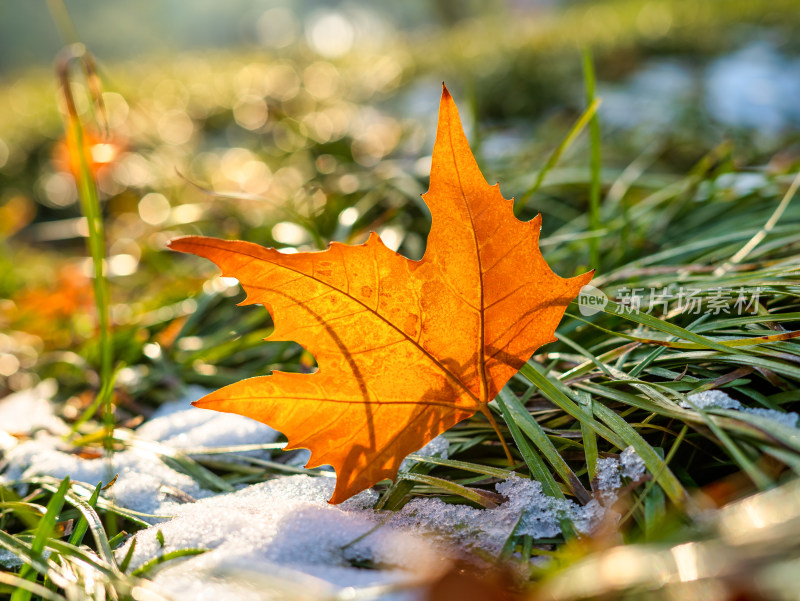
{"x":468,"y":582}
{"x":406,"y":349}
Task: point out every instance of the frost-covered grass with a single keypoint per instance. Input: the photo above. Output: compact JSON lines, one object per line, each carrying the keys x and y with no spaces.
{"x":627,"y":433}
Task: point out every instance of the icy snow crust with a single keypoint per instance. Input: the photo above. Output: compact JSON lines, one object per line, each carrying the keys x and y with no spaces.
{"x":718,"y":399}
{"x":282,"y":534}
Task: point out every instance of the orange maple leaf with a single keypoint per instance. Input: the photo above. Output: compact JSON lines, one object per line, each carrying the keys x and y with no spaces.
{"x":406,"y":349}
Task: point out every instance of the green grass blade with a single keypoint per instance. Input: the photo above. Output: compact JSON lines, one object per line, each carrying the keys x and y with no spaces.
{"x":106,"y":390}
{"x":789,"y":437}
{"x":34,"y":561}
{"x":533,"y":460}
{"x":589,"y":437}
{"x":759,"y":236}
{"x":661,"y":325}
{"x":90,"y":206}
{"x":51,"y":484}
{"x":655,"y":465}
{"x":471,"y":494}
{"x":655,"y":511}
{"x":126,"y":561}
{"x":148,"y":568}
{"x":83,"y":524}
{"x":566,"y":404}
{"x":43,"y":532}
{"x":494,"y":472}
{"x":395,"y":496}
{"x":90,"y":520}
{"x":758,"y":361}
{"x":534,"y":432}
{"x":595,"y":161}
{"x":33,"y":510}
{"x":32,"y":588}
{"x":555,"y":156}
{"x":613,"y":428}
{"x":86,"y":558}
{"x":759,"y":478}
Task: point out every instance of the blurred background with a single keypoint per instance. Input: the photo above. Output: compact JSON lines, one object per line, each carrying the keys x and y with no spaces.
{"x":292,"y":124}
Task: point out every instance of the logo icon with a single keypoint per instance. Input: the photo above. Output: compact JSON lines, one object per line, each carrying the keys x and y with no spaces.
{"x":591,"y":300}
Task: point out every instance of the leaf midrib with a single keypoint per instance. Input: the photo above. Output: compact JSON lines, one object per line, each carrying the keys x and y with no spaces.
{"x":484,"y":392}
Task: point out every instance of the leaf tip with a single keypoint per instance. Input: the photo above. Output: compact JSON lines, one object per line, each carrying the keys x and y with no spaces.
{"x":584,"y":278}
{"x":338,"y":496}
{"x":202,"y":403}
{"x":179,"y":243}
{"x":344,"y":492}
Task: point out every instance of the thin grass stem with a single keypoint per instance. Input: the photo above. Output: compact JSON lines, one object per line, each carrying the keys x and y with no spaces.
{"x":555,"y":156}
{"x":90,"y":206}
{"x":595,"y":161}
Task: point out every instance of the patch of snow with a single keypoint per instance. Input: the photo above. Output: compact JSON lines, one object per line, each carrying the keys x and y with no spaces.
{"x":527,"y":509}
{"x":608,"y":476}
{"x":179,"y":425}
{"x":279,"y":525}
{"x":461,"y":525}
{"x":632,"y":465}
{"x":29,"y":410}
{"x":717,"y":399}
{"x":144,"y":482}
{"x":438,"y":447}
{"x":610,"y":471}
{"x":711,"y":399}
{"x":587,"y":519}
{"x":540,"y":514}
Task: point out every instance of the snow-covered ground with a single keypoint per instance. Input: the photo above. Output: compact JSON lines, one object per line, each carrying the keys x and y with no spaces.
{"x":280,"y":534}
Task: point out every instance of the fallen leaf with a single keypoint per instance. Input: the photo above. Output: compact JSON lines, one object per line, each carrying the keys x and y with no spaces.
{"x":406,"y":349}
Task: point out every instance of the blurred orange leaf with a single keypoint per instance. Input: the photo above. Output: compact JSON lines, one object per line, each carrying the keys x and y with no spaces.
{"x":406,"y":349}
{"x":99,"y":152}
{"x":51,"y":311}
